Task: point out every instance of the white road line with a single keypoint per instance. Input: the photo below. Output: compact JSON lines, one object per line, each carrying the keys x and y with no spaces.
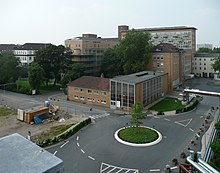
{"x":82,"y":151}
{"x":64,"y":144}
{"x":77,"y":144}
{"x":166,"y":119}
{"x":179,"y":124}
{"x":191,"y":129}
{"x":91,"y":117}
{"x":197,"y":135}
{"x":189,"y":122}
{"x":91,"y":158}
{"x":156,"y":117}
{"x":154,"y":170}
{"x":164,"y":136}
{"x":77,"y":138}
{"x":55,"y":153}
{"x":173,"y":167}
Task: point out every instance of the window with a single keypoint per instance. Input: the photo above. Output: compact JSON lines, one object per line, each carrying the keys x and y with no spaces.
{"x":89,"y":91}
{"x":161,"y":57}
{"x":158,"y":64}
{"x":161,"y":64}
{"x":200,"y":68}
{"x":89,"y":99}
{"x":199,"y":59}
{"x":104,"y":93}
{"x":75,"y":89}
{"x":154,"y":57}
{"x":82,"y":98}
{"x":75,"y":97}
{"x":195,"y":68}
{"x":103,"y":101}
{"x":95,"y":92}
{"x":204,"y":59}
{"x":158,"y":57}
{"x":82,"y":90}
{"x":204,"y":68}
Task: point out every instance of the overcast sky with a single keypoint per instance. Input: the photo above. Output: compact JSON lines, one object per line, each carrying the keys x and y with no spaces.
{"x":53,"y":21}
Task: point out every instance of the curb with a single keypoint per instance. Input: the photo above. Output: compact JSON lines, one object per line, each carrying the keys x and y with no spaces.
{"x":138,"y":145}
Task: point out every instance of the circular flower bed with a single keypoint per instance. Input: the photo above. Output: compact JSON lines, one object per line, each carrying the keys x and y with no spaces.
{"x":138,"y":136}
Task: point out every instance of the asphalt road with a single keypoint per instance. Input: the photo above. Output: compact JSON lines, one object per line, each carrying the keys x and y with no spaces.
{"x":94,"y":148}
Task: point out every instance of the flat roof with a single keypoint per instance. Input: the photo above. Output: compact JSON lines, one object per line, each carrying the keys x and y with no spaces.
{"x":166,"y":28}
{"x":138,"y":77}
{"x":20,"y":155}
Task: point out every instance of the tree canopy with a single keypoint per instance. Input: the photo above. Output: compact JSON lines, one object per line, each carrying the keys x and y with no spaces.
{"x":54,"y":60}
{"x":9,"y":71}
{"x":77,"y":70}
{"x":35,"y":75}
{"x":207,"y":50}
{"x":129,"y":56}
{"x":216,"y":64}
{"x":136,"y":114}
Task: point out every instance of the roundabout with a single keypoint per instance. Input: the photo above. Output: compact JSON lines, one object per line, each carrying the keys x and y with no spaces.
{"x":141,"y":136}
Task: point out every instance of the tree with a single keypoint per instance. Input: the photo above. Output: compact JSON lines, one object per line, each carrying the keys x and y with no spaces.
{"x":204,"y":50}
{"x":9,"y":68}
{"x":54,"y":60}
{"x":217,"y":127}
{"x":129,"y":56}
{"x":216,"y":50}
{"x":35,"y":75}
{"x":75,"y":72}
{"x":216,"y":64}
{"x":136,"y":114}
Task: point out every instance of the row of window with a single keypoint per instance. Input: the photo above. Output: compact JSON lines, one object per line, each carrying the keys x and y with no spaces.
{"x":212,"y":59}
{"x":24,"y":52}
{"x":158,"y":57}
{"x":200,"y":68}
{"x":89,"y":99}
{"x":26,"y":58}
{"x":158,"y":64}
{"x":104,"y":93}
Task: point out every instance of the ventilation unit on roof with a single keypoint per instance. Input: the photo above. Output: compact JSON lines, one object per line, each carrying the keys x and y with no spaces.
{"x":142,"y":74}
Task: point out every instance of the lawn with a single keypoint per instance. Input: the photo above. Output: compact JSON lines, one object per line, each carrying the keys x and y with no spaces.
{"x":138,"y":135}
{"x":52,"y":132}
{"x":43,"y":88}
{"x":167,"y":105}
{"x":7,"y":111}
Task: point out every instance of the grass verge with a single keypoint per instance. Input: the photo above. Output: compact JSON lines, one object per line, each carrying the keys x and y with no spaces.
{"x":50,"y":133}
{"x":138,"y":135}
{"x":7,"y":111}
{"x":167,"y":105}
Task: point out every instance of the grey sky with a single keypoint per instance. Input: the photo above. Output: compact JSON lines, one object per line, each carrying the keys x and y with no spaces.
{"x":53,"y":21}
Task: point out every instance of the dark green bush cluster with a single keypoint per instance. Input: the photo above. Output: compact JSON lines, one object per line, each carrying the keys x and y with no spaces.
{"x":64,"y":136}
{"x":188,"y":108}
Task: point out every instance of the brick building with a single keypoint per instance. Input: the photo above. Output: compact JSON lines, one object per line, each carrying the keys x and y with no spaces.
{"x":90,"y":90}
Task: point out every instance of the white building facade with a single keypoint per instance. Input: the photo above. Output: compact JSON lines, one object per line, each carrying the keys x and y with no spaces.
{"x":202,"y":64}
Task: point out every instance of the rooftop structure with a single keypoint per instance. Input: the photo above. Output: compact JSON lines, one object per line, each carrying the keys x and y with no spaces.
{"x":91,"y":82}
{"x":20,"y":155}
{"x":139,"y":77}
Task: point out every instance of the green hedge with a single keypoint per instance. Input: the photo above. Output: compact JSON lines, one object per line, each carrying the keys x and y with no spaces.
{"x":188,"y":108}
{"x":71,"y":131}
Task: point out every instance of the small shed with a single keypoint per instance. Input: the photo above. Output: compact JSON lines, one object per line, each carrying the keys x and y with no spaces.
{"x":27,"y":115}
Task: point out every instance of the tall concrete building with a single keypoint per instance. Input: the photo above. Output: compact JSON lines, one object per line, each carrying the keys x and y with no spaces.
{"x":180,"y":36}
{"x":89,"y":50}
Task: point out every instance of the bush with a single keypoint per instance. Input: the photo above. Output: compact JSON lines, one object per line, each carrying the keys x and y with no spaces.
{"x":64,"y":136}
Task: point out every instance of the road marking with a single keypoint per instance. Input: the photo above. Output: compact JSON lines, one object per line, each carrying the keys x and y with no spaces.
{"x":77,"y":144}
{"x":180,"y":124}
{"x":91,"y":158}
{"x":156,"y":117}
{"x":82,"y":151}
{"x":201,"y":116}
{"x":184,"y":125}
{"x":64,"y":144}
{"x":91,"y":117}
{"x":154,"y":170}
{"x":197,"y":135}
{"x":173,"y":167}
{"x":164,"y":136}
{"x":191,"y":129}
{"x":77,"y":138}
{"x":111,"y":168}
{"x":166,"y":119}
{"x":55,"y":153}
